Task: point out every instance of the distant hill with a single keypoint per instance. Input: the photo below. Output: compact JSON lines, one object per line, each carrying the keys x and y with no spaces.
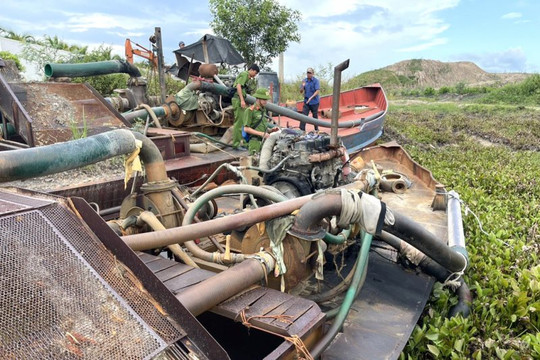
{"x":431,"y":73}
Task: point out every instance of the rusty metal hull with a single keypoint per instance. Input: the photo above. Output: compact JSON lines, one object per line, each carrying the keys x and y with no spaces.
{"x":392,"y":299}
{"x":47,"y":113}
{"x":192,"y":170}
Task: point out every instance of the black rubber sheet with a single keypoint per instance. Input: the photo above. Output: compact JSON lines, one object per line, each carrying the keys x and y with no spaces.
{"x":383,"y":316}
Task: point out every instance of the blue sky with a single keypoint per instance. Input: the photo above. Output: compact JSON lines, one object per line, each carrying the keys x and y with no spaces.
{"x":497,"y":35}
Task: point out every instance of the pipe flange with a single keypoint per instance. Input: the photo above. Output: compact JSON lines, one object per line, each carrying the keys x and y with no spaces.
{"x":173,"y":113}
{"x":158,"y":186}
{"x":394,"y":182}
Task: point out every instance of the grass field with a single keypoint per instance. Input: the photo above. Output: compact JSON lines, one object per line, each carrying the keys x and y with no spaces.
{"x":490,"y":155}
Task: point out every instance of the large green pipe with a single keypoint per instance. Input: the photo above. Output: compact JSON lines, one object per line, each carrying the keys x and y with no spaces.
{"x":51,"y":159}
{"x":91,"y":69}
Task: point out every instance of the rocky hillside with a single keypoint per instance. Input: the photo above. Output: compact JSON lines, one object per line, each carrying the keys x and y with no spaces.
{"x":432,"y":73}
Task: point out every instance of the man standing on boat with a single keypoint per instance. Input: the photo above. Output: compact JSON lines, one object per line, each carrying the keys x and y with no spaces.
{"x":255,"y":121}
{"x":244,"y":84}
{"x":310,"y":87}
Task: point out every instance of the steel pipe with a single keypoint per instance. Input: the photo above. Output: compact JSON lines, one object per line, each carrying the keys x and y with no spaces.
{"x":212,"y":291}
{"x":334,"y":140}
{"x":301,"y":117}
{"x":456,"y":236}
{"x":182,"y":234}
{"x":55,"y":158}
{"x":185,"y":233}
{"x":91,"y":69}
{"x":159,"y":111}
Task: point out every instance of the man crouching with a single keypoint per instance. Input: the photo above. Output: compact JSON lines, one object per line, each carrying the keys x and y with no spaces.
{"x":255,"y":121}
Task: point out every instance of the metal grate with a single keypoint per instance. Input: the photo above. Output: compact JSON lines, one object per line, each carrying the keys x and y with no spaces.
{"x":70,"y":299}
{"x":114,"y":272}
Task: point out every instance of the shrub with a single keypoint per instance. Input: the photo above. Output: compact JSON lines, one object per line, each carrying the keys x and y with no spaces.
{"x":6,"y":55}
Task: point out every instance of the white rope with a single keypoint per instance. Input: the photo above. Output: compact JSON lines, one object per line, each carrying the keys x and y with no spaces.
{"x":468,"y":210}
{"x":452,"y":281}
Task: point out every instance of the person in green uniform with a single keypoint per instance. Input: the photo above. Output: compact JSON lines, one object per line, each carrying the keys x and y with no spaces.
{"x":255,"y":121}
{"x":244,"y":84}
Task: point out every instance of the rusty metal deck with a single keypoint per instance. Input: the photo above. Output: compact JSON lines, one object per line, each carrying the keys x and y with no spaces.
{"x":284,"y":314}
{"x":416,"y":202}
{"x":47,"y":113}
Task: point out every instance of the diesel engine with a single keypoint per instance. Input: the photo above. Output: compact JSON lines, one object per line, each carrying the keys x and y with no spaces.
{"x":298,"y":164}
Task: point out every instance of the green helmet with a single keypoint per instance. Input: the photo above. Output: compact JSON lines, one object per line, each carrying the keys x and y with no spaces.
{"x":262,"y":94}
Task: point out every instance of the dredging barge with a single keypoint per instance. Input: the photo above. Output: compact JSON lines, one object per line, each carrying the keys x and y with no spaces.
{"x":184,"y":274}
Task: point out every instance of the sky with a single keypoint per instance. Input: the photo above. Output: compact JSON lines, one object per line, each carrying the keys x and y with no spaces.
{"x":496,"y":35}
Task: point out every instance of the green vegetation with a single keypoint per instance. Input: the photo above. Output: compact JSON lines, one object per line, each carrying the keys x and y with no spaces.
{"x":497,"y":179}
{"x":260,"y":30}
{"x":525,"y":93}
{"x":9,"y":56}
{"x":77,"y":132}
{"x":388,"y":79}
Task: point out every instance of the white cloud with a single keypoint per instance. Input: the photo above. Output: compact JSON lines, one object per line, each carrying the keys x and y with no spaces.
{"x":369,"y":32}
{"x":343,"y":7}
{"x":80,"y":22}
{"x":509,"y":60}
{"x":512,"y":15}
{"x":424,"y":46}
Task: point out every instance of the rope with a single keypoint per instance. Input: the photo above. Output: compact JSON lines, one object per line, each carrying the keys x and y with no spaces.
{"x":152,"y":114}
{"x":301,"y":349}
{"x":452,"y":281}
{"x":468,"y":210}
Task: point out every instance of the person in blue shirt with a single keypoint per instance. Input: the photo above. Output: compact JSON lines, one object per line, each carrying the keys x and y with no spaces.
{"x":310,"y":88}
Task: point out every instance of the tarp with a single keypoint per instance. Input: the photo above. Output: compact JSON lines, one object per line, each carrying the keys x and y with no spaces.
{"x":218,"y":51}
{"x":209,"y":49}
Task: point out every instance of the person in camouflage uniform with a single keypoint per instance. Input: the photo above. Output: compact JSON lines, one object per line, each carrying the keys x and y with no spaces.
{"x":244,"y":84}
{"x":255,"y":121}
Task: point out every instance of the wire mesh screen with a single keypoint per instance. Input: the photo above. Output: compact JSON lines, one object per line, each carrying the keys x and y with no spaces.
{"x":56,"y":295}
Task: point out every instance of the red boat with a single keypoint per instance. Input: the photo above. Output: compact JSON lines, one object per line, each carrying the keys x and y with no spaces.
{"x":361,"y":114}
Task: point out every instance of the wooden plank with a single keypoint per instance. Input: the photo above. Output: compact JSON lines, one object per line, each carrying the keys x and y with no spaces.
{"x":189,"y":278}
{"x":233,"y":306}
{"x":146,"y":257}
{"x":173,"y":271}
{"x":159,"y":264}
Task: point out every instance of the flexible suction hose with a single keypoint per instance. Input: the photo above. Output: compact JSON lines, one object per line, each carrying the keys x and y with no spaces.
{"x":359,"y":274}
{"x":212,"y":194}
{"x":325,"y":205}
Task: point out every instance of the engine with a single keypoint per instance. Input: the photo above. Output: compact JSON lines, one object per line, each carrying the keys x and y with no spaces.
{"x":301,"y":164}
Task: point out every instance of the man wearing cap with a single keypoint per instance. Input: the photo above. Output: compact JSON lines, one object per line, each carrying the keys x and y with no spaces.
{"x":310,"y":87}
{"x":244,"y":83}
{"x":255,"y":123}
